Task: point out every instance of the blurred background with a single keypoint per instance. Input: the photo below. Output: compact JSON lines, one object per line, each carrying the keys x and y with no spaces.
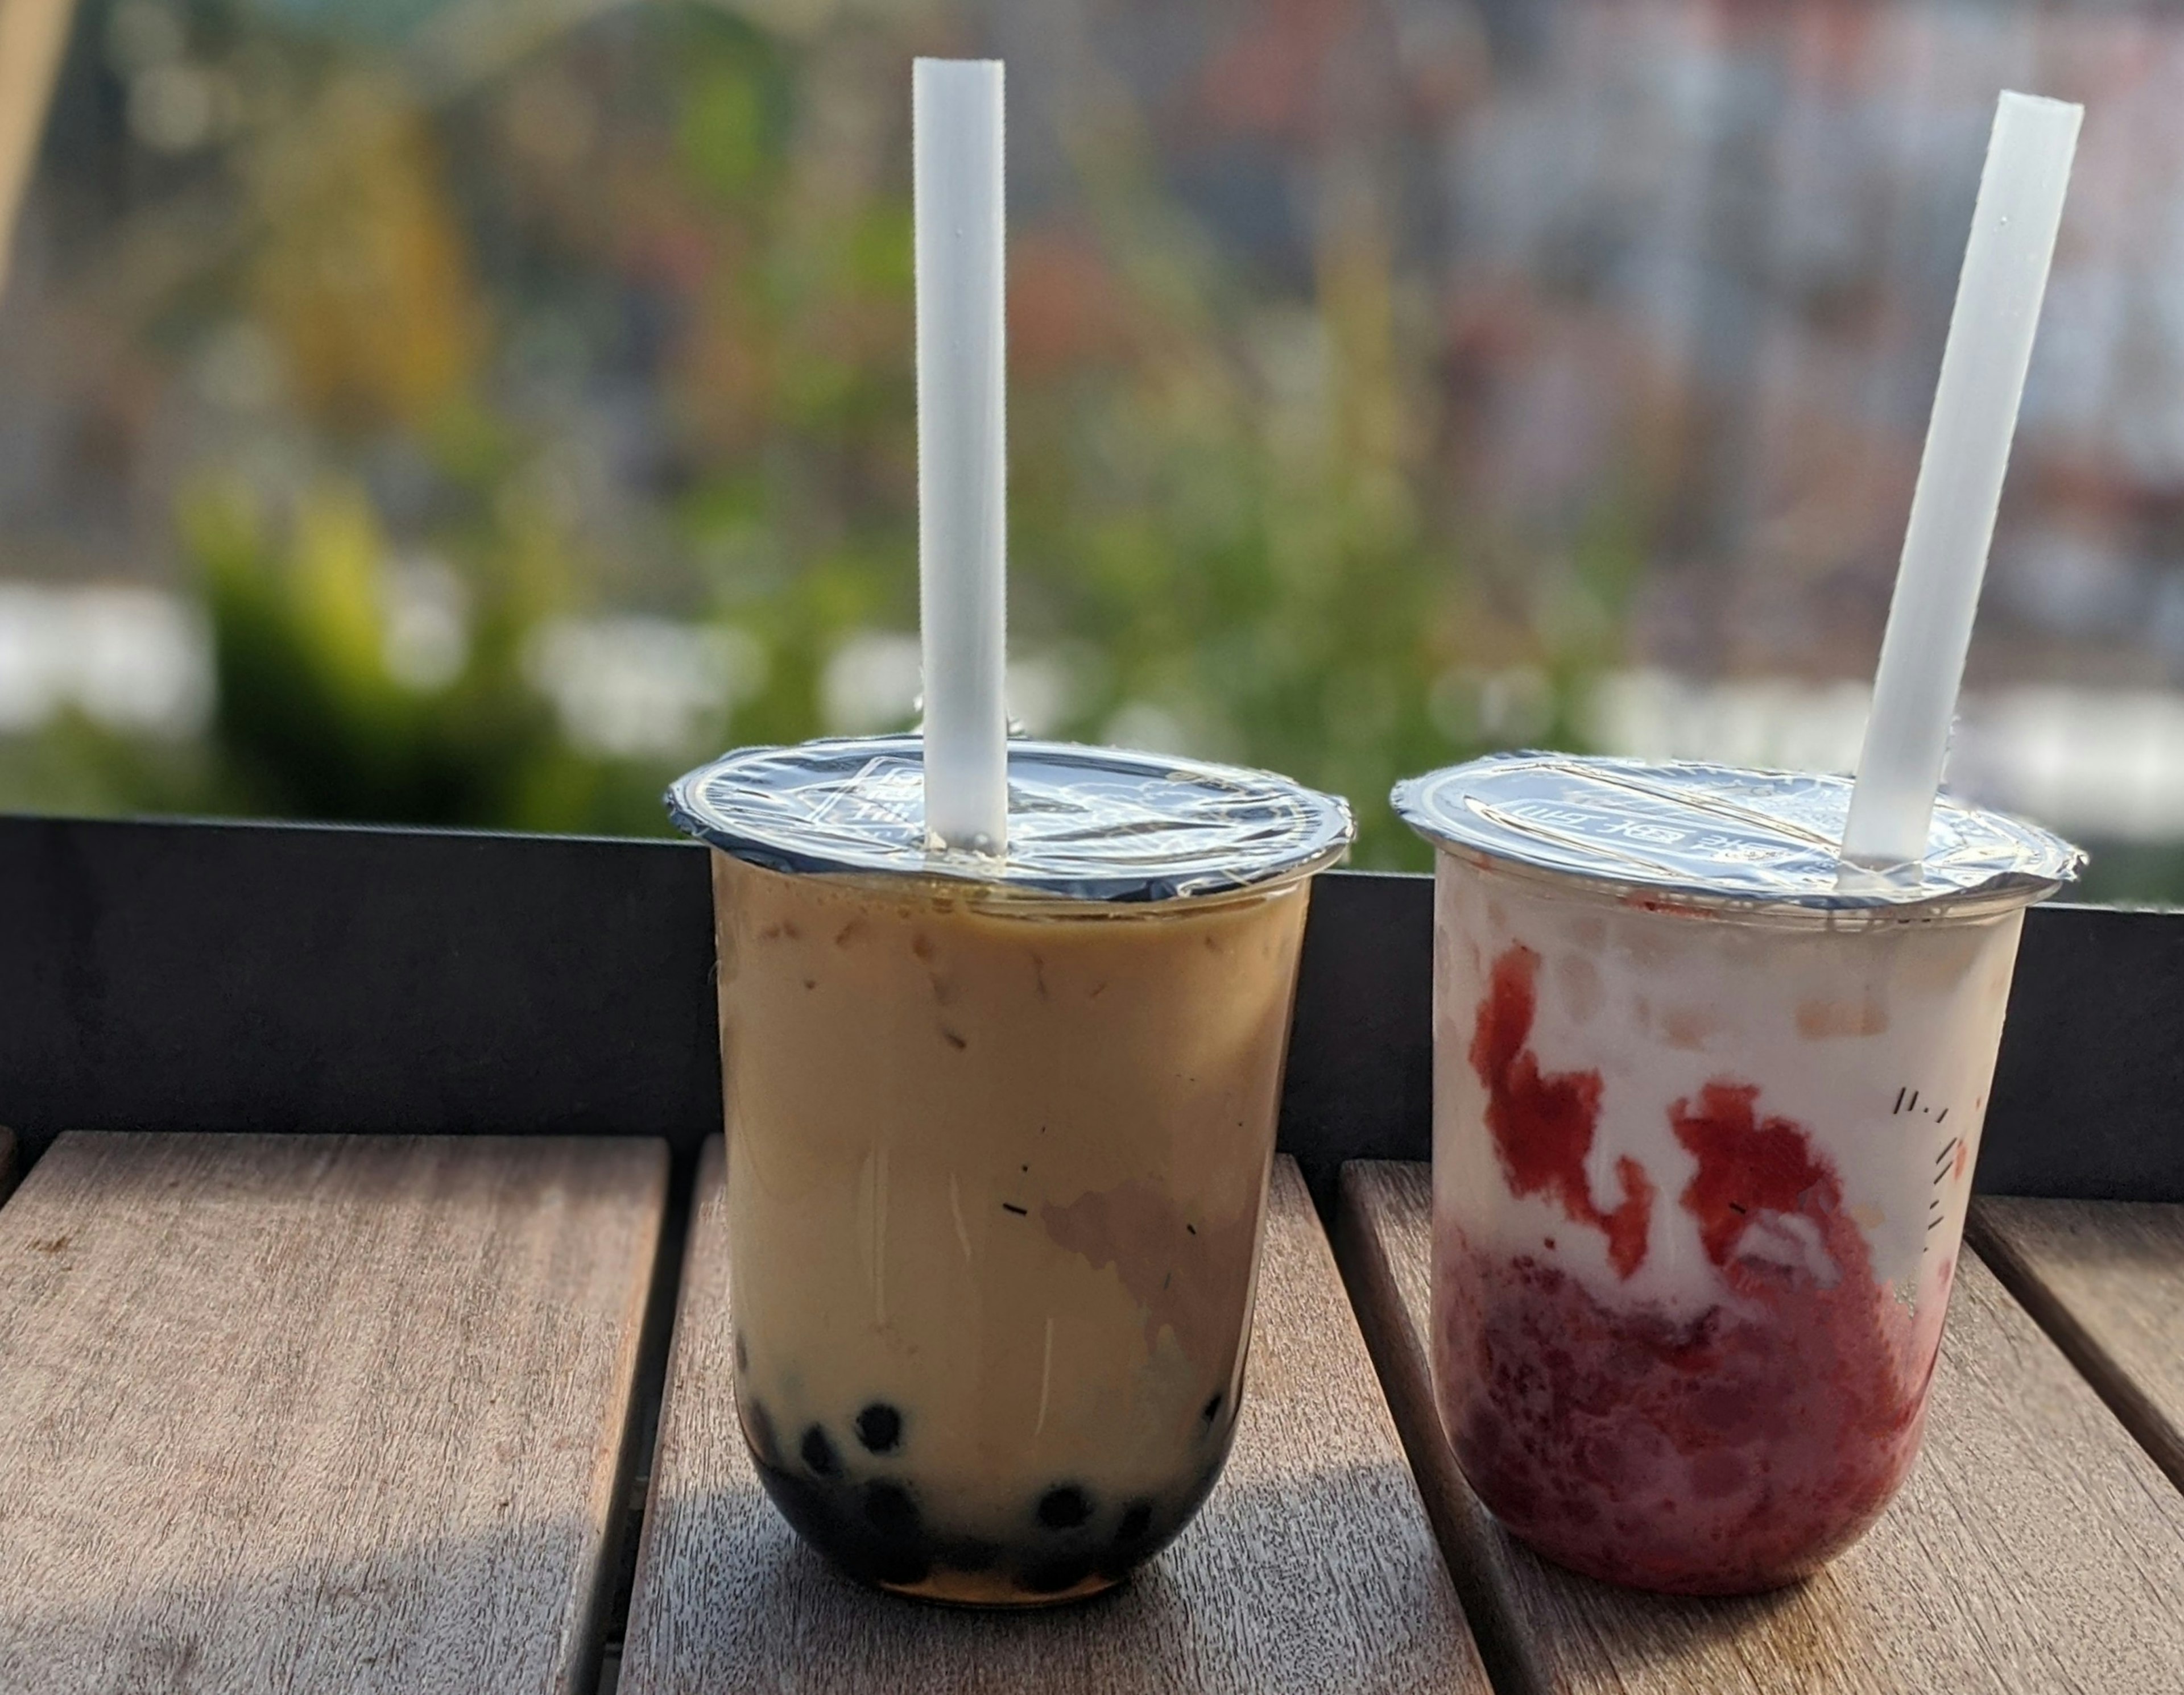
{"x":474,"y":412}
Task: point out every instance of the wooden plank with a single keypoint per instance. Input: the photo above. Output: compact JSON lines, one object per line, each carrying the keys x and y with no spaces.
{"x":2035,"y":1548}
{"x":332,"y":1413}
{"x":1312,"y":1566}
{"x":2106,"y":1279}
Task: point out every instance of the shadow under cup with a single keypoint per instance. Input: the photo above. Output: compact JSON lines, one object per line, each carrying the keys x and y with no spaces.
{"x":1700,"y":1179}
{"x":997,"y":1172}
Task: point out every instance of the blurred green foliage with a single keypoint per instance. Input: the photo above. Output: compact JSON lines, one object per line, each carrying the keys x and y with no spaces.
{"x":1227,"y":532}
{"x":311,"y":721}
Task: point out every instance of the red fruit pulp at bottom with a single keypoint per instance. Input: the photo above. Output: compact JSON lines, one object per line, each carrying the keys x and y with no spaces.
{"x":1738,"y":1449}
{"x":1714,"y":1455}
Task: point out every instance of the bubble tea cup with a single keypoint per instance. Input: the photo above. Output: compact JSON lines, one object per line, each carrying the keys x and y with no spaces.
{"x":1704,"y":1127}
{"x":998,"y":1146}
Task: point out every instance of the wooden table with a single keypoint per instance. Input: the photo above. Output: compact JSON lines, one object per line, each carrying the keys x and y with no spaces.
{"x":304,"y":1413}
{"x":316,"y":1413}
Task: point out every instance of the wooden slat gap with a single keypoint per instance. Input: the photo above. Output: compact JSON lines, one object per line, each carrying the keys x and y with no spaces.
{"x":2134,"y":1407}
{"x":600,"y":1665}
{"x":1407,"y":1386}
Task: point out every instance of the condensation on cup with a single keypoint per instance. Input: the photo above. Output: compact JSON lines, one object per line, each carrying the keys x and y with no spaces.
{"x":999,"y":1141}
{"x":1705,"y":1119}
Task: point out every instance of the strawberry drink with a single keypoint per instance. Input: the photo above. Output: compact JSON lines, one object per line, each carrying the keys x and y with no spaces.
{"x":1704,"y":1127}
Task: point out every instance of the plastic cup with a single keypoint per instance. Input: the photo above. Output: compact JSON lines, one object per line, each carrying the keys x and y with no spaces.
{"x":998,"y":1156}
{"x":1704,"y":1129}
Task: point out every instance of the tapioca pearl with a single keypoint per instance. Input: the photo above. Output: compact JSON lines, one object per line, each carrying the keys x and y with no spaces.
{"x":818,"y":1452}
{"x":879,"y":1427}
{"x":1052,"y":1576}
{"x":1212,"y":1410}
{"x":743,"y":1353}
{"x":890,"y":1508}
{"x":967,"y":1554}
{"x":1064,"y":1508}
{"x":1132,"y":1542}
{"x":902,"y":1565}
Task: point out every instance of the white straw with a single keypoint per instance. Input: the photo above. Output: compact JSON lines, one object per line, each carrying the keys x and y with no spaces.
{"x":1953,"y":508}
{"x":963,"y":490}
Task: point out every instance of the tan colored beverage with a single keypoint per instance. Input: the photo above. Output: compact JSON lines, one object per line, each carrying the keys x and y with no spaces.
{"x":998,"y":1165}
{"x":996,"y":1184}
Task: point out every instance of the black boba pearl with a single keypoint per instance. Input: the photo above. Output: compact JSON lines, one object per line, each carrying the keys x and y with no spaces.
{"x":1133,"y":1540}
{"x":968,"y":1554}
{"x":879,"y":1427}
{"x":902,"y":1565}
{"x":1064,"y":1510}
{"x":845,"y":1527}
{"x":890,"y":1509}
{"x":1212,"y":1410}
{"x":1052,"y":1576}
{"x":743,"y":1353}
{"x":758,"y":1428}
{"x":819,"y":1453}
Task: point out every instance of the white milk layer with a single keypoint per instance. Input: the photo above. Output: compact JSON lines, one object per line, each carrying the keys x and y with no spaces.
{"x":1878,"y":1041}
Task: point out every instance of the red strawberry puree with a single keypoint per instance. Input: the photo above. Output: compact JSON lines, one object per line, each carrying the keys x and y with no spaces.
{"x":1733,"y":1450}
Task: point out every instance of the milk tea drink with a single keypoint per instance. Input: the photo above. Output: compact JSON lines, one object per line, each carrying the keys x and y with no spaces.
{"x":1704,"y":1127}
{"x":995,"y":1181}
{"x":998,"y":1148}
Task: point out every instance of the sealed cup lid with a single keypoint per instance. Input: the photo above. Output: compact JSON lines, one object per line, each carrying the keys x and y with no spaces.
{"x":1092,"y":824}
{"x":1718,"y":831}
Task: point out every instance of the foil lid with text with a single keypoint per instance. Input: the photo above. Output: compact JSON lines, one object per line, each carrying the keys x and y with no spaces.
{"x":1094,"y":824}
{"x":1714,"y":830}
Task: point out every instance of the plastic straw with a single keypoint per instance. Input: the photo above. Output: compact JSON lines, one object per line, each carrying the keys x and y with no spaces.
{"x":962,"y":488}
{"x":1953,"y":508}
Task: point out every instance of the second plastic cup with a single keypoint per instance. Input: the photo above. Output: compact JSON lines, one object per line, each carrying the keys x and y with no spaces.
{"x":1704,"y":1126}
{"x":999,"y":1148}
